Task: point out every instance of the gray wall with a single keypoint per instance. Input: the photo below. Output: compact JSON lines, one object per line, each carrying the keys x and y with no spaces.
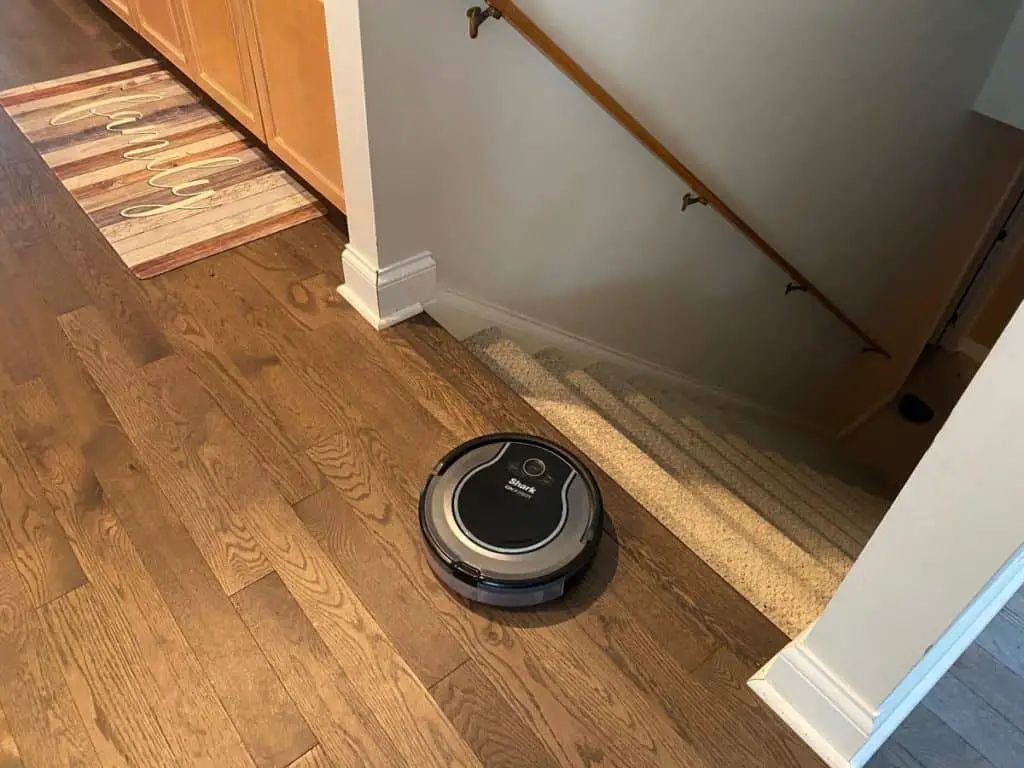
{"x":1003,"y":94}
{"x":828,"y":125}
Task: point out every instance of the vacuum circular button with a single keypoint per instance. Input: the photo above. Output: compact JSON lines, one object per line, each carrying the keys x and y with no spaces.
{"x":534,"y":467}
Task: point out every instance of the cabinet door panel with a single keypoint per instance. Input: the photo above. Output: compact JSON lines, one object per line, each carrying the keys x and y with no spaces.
{"x":221,"y":61}
{"x":121,"y":8}
{"x":296,"y":96}
{"x":160,"y":22}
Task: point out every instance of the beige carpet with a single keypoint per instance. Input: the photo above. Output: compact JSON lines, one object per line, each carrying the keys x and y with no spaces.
{"x":779,"y":532}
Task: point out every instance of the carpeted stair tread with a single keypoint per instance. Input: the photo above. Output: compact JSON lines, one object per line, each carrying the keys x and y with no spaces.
{"x":818,"y":563}
{"x":814,"y":532}
{"x":851,"y":524}
{"x":875,"y":505}
{"x":866,"y":516}
{"x":784,"y":598}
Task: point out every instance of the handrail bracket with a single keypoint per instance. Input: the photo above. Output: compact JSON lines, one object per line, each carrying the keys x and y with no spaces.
{"x":477,"y":16}
{"x":795,"y":286}
{"x":691,"y":199}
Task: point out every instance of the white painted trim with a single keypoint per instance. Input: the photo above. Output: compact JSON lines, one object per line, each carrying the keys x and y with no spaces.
{"x":462,"y":316}
{"x":833,"y":720}
{"x":943,"y":654}
{"x":972,"y":350}
{"x":822,"y":710}
{"x":385,"y":297}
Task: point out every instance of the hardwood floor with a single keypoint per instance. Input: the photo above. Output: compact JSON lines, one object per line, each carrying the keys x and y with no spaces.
{"x":974,"y":716}
{"x":209,"y":551}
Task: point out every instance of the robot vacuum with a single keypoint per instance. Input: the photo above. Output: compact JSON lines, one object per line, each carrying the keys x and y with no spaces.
{"x":510,"y":520}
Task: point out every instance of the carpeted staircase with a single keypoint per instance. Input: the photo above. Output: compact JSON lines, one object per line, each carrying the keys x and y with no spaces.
{"x":783,"y":534}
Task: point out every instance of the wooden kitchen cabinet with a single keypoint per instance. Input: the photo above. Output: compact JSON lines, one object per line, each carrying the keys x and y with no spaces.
{"x":265,"y":62}
{"x":122,"y":9}
{"x":222,"y":62}
{"x":293,"y":75}
{"x":161,"y":22}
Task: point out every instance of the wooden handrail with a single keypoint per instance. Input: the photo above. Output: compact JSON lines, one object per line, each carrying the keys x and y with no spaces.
{"x":554,"y":53}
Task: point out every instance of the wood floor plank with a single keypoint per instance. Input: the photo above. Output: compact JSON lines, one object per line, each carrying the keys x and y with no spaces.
{"x":232,"y":307}
{"x":532,"y":672}
{"x":892,"y":755}
{"x":310,"y":299}
{"x":315,"y":758}
{"x":934,"y":744}
{"x":172,"y":442}
{"x":392,"y":691}
{"x":34,"y":538}
{"x":507,"y":665}
{"x":687,"y":639}
{"x":14,"y":596}
{"x":270,"y":725}
{"x":319,"y":684}
{"x":293,"y":474}
{"x":320,"y":246}
{"x":498,"y":735}
{"x":1004,"y":639}
{"x":73,"y":243}
{"x":109,"y":697}
{"x":674,"y":571}
{"x":993,"y":681}
{"x":192,"y":719}
{"x":10,"y":756}
{"x":989,"y":733}
{"x":40,"y":710}
{"x":417,"y":633}
{"x":750,"y":727}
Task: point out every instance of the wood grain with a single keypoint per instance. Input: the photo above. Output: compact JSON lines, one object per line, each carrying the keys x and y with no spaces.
{"x":315,"y":758}
{"x":210,"y":289}
{"x":40,"y":710}
{"x":498,"y":735}
{"x":672,"y":571}
{"x":926,"y":739}
{"x":10,"y":757}
{"x":986,"y":676}
{"x":312,"y":301}
{"x":33,"y":537}
{"x":107,"y":692}
{"x":292,"y":473}
{"x":977,"y":722}
{"x":163,"y":427}
{"x":272,"y":729}
{"x":181,"y":697}
{"x":413,"y":627}
{"x":319,"y":684}
{"x":391,"y":690}
{"x":530,"y":669}
{"x":14,"y":597}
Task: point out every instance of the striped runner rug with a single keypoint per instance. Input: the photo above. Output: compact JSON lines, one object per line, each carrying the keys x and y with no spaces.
{"x":163,"y":176}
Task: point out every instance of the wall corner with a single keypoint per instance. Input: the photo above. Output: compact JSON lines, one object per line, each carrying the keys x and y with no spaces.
{"x":386,"y":296}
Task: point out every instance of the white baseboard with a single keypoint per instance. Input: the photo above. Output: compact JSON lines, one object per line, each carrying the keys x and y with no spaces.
{"x":385,"y":297}
{"x":823,"y":711}
{"x":972,"y":350}
{"x":830,"y":717}
{"x":462,"y":316}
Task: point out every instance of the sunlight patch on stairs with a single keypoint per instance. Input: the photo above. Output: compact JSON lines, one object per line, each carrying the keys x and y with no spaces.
{"x":781,"y":540}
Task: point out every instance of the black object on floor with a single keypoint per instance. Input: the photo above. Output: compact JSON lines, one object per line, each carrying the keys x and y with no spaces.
{"x":914,"y":409}
{"x":510,"y":519}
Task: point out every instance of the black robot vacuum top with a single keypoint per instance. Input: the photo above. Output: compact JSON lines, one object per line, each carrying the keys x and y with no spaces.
{"x":510,"y":519}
